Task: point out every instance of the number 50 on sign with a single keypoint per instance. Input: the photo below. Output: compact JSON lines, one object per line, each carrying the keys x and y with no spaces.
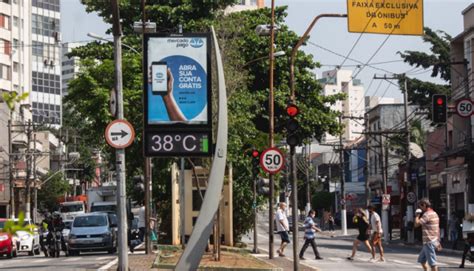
{"x":272,"y":160}
{"x":464,"y":108}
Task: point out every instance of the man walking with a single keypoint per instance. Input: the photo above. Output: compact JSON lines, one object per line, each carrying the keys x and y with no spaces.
{"x":309,"y":230}
{"x":282,"y":228}
{"x":429,"y":222}
{"x":377,"y":232}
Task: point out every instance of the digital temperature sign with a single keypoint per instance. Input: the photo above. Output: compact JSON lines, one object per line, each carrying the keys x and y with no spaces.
{"x":177,"y":144}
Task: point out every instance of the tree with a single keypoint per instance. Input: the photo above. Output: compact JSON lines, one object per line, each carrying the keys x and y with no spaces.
{"x":247,"y":87}
{"x":420,"y":92}
{"x":54,"y":187}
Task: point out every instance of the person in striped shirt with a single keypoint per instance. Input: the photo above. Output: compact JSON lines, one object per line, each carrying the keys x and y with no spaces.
{"x":309,"y":234}
{"x":428,"y":219}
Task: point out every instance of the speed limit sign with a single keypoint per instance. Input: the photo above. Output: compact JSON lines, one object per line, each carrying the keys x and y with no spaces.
{"x":272,"y":160}
{"x":464,"y":108}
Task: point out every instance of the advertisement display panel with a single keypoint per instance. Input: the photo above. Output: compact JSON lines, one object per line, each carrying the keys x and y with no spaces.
{"x":177,"y":80}
{"x":177,"y":94}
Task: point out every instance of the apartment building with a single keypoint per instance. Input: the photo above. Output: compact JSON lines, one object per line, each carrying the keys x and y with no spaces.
{"x":46,"y":62}
{"x":341,"y":81}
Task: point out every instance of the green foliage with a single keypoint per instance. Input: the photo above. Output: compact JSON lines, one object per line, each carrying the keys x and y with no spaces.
{"x":247,"y":85}
{"x":420,"y":92}
{"x":12,"y":98}
{"x":54,"y":187}
{"x":12,"y":226}
{"x":322,"y":200}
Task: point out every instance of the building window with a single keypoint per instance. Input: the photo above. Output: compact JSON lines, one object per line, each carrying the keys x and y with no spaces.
{"x":15,"y":66}
{"x":37,"y":49}
{"x":5,"y":72}
{"x":15,"y":21}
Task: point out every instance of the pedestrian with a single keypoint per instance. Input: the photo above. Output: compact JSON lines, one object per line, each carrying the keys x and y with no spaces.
{"x":331,"y":222}
{"x":282,"y":228}
{"x":141,"y":222}
{"x":453,"y":229}
{"x":360,"y":219}
{"x":428,"y":219}
{"x":376,"y":239}
{"x":468,"y":242}
{"x":309,"y":235}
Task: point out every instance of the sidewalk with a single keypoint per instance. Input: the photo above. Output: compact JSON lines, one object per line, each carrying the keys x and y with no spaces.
{"x":140,"y":261}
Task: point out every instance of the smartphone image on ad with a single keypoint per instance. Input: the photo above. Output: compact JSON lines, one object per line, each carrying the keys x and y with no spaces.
{"x":159,"y":76}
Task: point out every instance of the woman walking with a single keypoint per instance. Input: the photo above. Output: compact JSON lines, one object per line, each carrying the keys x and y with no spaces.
{"x":360,"y":219}
{"x":309,"y":235}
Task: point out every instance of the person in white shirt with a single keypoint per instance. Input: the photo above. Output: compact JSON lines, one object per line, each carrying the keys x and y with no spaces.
{"x":282,"y":228}
{"x":141,"y":222}
{"x":376,"y":226}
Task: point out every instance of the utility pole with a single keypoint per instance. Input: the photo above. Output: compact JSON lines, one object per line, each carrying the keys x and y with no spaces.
{"x":270,"y":132}
{"x":10,"y":169}
{"x":120,"y":153}
{"x":409,"y":214}
{"x":367,"y":165}
{"x":469,"y":158}
{"x":28,"y":171}
{"x":148,"y":160}
{"x":343,"y":192}
{"x":35,"y":195}
{"x":308,"y":186}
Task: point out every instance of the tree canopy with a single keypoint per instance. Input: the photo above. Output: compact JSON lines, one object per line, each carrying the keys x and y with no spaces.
{"x":420,"y":92}
{"x":247,"y":84}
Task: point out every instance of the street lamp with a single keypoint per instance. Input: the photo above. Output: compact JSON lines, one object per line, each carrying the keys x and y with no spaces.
{"x":292,"y":148}
{"x":97,"y":37}
{"x":276,"y":54}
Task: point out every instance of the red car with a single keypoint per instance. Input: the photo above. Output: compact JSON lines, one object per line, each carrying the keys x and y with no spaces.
{"x":7,"y":243}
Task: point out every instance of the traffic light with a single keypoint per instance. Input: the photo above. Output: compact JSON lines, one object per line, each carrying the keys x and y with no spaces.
{"x":439,"y":108}
{"x":292,"y":126}
{"x":255,"y":162}
{"x":263,"y":187}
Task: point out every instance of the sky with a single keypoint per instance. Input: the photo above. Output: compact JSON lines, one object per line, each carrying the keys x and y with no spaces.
{"x":329,"y":33}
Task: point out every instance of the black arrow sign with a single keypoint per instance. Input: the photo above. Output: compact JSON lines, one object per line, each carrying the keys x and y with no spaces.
{"x":121,"y":133}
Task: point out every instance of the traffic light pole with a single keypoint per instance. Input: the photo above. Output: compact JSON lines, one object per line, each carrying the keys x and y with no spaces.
{"x":294,"y":210}
{"x":254,"y":206}
{"x":343,"y":181}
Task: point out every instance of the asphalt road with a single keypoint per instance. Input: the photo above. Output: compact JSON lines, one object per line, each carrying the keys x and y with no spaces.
{"x":335,"y":251}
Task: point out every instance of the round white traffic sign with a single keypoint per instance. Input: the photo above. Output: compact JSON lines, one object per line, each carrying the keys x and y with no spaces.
{"x":464,"y":108}
{"x":119,"y":134}
{"x":411,"y":197}
{"x":272,"y":160}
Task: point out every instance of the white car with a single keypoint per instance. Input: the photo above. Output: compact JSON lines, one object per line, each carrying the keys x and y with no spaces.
{"x":28,"y":241}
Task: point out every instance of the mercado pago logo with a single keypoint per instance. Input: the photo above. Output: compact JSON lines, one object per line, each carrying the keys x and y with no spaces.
{"x":186,"y":42}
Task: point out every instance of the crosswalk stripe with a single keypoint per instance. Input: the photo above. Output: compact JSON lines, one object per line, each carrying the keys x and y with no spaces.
{"x":72,"y":259}
{"x":401,"y":262}
{"x":40,"y":260}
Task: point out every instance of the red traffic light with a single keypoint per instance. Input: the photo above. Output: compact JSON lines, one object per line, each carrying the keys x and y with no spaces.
{"x":255,"y":153}
{"x":440,"y":101}
{"x":292,"y":110}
